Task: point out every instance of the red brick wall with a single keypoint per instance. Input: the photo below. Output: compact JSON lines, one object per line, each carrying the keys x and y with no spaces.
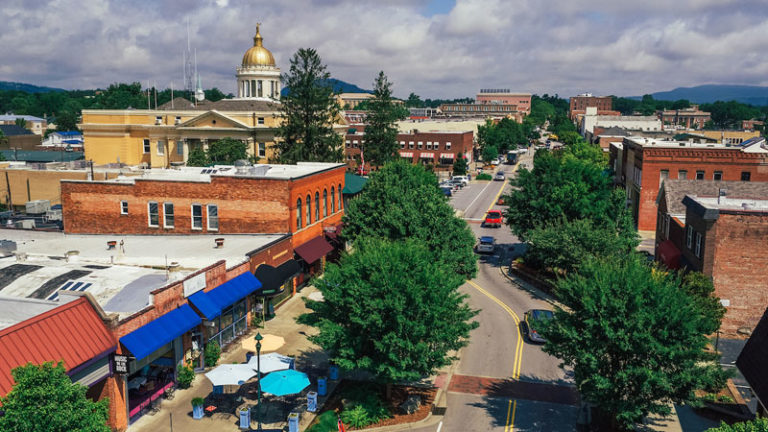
{"x":739,"y":267}
{"x":244,"y":205}
{"x":461,"y":143}
{"x":582,"y":102}
{"x":731,"y":161}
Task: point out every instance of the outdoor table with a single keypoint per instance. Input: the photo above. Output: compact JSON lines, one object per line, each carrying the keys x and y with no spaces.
{"x":135,"y":383}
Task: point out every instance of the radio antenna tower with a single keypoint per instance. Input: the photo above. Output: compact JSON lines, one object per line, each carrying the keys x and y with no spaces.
{"x":189,"y":72}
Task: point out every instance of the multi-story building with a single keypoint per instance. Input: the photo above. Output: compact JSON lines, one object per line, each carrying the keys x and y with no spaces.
{"x":749,"y":125}
{"x":164,"y":136}
{"x":482,"y":110}
{"x":592,"y":119}
{"x":719,"y":228}
{"x":436,"y":148}
{"x":641,"y":164}
{"x":36,"y":125}
{"x":522,"y":101}
{"x":579,"y":104}
{"x":689,"y":118}
{"x":18,"y":138}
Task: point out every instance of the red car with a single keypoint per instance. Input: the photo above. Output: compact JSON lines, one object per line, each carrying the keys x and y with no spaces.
{"x":493,"y":219}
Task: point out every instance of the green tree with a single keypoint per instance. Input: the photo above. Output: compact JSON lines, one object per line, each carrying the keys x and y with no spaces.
{"x":460,"y":165}
{"x":490,"y":153}
{"x":634,"y":341}
{"x":381,"y":132}
{"x":21,"y":122}
{"x":44,"y":398}
{"x":198,"y":158}
{"x":67,"y":121}
{"x":308,"y":111}
{"x":414,"y":101}
{"x":391,"y":309}
{"x":756,"y":425}
{"x":3,"y":143}
{"x":699,"y":286}
{"x":226,"y":151}
{"x":402,"y":201}
{"x":214,"y":94}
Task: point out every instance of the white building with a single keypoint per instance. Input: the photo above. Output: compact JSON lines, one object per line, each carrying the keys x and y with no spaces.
{"x":638,"y":123}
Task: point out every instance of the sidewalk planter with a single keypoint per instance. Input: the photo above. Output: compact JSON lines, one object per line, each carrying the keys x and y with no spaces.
{"x":312,"y":401}
{"x":197,"y":408}
{"x":245,"y":418}
{"x":322,"y":386}
{"x":293,"y":422}
{"x":333,"y":372}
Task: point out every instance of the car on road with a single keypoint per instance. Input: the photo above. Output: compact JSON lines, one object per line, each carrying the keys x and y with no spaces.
{"x":447,"y":190}
{"x":487,"y":244}
{"x":493,"y":219}
{"x":462,"y":178}
{"x":532,"y":324}
{"x":499,"y":176}
{"x":495,"y":161}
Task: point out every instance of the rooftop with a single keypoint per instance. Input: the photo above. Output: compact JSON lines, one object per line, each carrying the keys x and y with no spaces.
{"x":119,"y":279}
{"x":733,"y":203}
{"x":673,"y":191}
{"x":754,"y":145}
{"x":204,"y":174}
{"x":14,"y":310}
{"x":41,"y":156}
{"x":13,"y":117}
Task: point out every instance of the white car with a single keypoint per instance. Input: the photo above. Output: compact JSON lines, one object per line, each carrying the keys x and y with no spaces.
{"x":495,"y":161}
{"x":462,"y":178}
{"x":487,"y":244}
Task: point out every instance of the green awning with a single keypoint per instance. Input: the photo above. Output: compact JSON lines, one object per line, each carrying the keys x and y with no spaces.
{"x":353,"y":184}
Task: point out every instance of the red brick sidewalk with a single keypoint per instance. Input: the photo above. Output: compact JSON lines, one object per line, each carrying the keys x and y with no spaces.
{"x":495,"y":387}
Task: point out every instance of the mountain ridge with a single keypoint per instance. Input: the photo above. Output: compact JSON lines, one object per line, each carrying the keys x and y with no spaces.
{"x":709,"y":93}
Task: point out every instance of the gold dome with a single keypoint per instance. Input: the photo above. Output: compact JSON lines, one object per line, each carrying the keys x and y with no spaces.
{"x":257,"y":55}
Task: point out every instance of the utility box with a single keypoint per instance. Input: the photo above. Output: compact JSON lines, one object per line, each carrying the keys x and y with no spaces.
{"x":38,"y":206}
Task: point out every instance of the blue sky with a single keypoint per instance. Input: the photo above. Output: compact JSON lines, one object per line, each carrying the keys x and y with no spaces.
{"x":431,"y":47}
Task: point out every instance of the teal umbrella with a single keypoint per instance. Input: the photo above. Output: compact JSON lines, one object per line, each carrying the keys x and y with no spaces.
{"x":284,"y":382}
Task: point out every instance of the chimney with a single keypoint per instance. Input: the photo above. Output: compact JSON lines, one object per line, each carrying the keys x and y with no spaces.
{"x":721,"y":192}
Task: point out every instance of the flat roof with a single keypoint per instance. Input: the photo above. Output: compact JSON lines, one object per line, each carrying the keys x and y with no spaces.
{"x":732,"y":203}
{"x":14,"y":310}
{"x":119,"y":279}
{"x":753,"y":147}
{"x":204,"y":174}
{"x":456,"y":125}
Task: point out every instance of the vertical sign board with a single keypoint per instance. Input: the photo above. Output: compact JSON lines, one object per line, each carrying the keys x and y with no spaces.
{"x":194,"y":284}
{"x":120,"y":364}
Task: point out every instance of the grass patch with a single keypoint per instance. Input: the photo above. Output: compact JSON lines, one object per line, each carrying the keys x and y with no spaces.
{"x":484,"y":176}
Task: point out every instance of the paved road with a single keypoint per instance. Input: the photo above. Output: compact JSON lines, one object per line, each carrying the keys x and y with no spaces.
{"x":503,"y":382}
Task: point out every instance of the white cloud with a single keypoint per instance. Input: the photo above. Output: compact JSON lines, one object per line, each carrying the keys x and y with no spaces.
{"x":542,"y":46}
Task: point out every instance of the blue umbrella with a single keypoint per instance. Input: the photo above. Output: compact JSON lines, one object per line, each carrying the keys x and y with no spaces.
{"x":284,"y":382}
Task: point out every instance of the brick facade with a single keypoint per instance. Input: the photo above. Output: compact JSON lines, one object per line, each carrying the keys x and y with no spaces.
{"x":414,"y":145}
{"x":580,"y":104}
{"x":650,"y":160}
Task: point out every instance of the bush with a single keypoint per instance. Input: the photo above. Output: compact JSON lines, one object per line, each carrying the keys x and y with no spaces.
{"x":365,"y":408}
{"x":198,"y":401}
{"x":185,"y":376}
{"x":484,"y":176}
{"x":212,"y":353}
{"x":325,"y":422}
{"x":757,"y":425}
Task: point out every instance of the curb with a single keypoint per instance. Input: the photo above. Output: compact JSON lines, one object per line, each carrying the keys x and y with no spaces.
{"x":530,"y":289}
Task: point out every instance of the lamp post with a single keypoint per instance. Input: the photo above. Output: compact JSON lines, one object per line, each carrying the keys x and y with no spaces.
{"x":258,"y":338}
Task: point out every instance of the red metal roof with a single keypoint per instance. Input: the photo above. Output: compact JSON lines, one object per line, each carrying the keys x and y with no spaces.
{"x":73,"y":333}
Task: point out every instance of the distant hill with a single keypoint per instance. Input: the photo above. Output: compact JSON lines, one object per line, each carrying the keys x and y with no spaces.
{"x":29,"y":88}
{"x":754,"y":95}
{"x":339,"y":86}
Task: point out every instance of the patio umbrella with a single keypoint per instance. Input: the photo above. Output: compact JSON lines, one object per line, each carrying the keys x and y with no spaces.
{"x":285,"y":382}
{"x":269,"y":343}
{"x":271,"y":362}
{"x":230,"y":374}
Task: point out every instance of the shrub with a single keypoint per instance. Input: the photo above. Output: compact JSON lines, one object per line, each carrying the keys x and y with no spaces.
{"x":364,"y":408}
{"x":198,"y":401}
{"x":185,"y":376}
{"x":212,"y":353}
{"x":757,"y":425}
{"x":325,"y":422}
{"x":483,"y":176}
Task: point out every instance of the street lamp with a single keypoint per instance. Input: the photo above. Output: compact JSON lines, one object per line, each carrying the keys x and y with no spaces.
{"x":258,"y":338}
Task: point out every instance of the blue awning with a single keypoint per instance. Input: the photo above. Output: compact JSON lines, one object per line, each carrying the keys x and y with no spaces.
{"x":211,"y":303}
{"x":146,"y":339}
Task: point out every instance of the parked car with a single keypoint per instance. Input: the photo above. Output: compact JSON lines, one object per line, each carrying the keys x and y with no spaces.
{"x":457,"y":184}
{"x":493,"y":219}
{"x":447,"y":190}
{"x":499,"y":176}
{"x":533,"y":320}
{"x":462,"y":178}
{"x":495,"y":161}
{"x":487,"y":244}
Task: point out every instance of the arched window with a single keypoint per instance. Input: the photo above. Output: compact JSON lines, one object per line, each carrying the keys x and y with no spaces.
{"x":341,"y":202}
{"x":325,"y":202}
{"x":333,"y":200}
{"x":298,"y":214}
{"x":317,"y":206}
{"x":309,"y":210}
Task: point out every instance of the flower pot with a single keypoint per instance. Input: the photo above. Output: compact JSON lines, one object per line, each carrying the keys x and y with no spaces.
{"x":197,"y":412}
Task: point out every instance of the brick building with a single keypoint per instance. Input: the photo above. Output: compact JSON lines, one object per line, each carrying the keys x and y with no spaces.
{"x":721,"y":230}
{"x":689,"y":118}
{"x":504,"y":97}
{"x":641,"y":164}
{"x":436,"y":148}
{"x":579,"y":104}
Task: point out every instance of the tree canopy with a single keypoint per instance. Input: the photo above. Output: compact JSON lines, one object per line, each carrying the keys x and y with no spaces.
{"x":504,"y":135}
{"x":226,"y":151}
{"x":756,"y":425}
{"x":308,"y":111}
{"x":460,"y":165}
{"x":634,"y":340}
{"x":381,"y":131}
{"x":44,"y":399}
{"x":402,"y":201}
{"x":391,"y":309}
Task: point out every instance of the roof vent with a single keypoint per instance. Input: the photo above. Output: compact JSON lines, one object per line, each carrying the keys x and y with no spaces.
{"x":747,"y":205}
{"x":241,"y":167}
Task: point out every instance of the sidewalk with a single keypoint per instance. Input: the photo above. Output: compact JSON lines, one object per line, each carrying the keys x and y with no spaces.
{"x":309,"y":359}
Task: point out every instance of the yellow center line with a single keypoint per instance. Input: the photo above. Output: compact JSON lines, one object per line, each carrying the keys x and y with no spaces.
{"x":509,"y":410}
{"x":519,"y":346}
{"x":512,"y":420}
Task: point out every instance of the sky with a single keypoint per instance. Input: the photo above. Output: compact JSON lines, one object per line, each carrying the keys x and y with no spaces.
{"x":434,"y":48}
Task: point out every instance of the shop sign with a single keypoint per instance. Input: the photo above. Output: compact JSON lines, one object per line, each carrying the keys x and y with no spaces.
{"x":120,"y":364}
{"x":194,"y":284}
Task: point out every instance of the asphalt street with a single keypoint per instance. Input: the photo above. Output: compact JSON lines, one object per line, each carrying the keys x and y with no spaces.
{"x":503,"y":382}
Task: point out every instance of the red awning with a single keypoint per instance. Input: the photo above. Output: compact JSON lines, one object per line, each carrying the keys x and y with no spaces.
{"x":314,"y":249}
{"x":668,"y":254}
